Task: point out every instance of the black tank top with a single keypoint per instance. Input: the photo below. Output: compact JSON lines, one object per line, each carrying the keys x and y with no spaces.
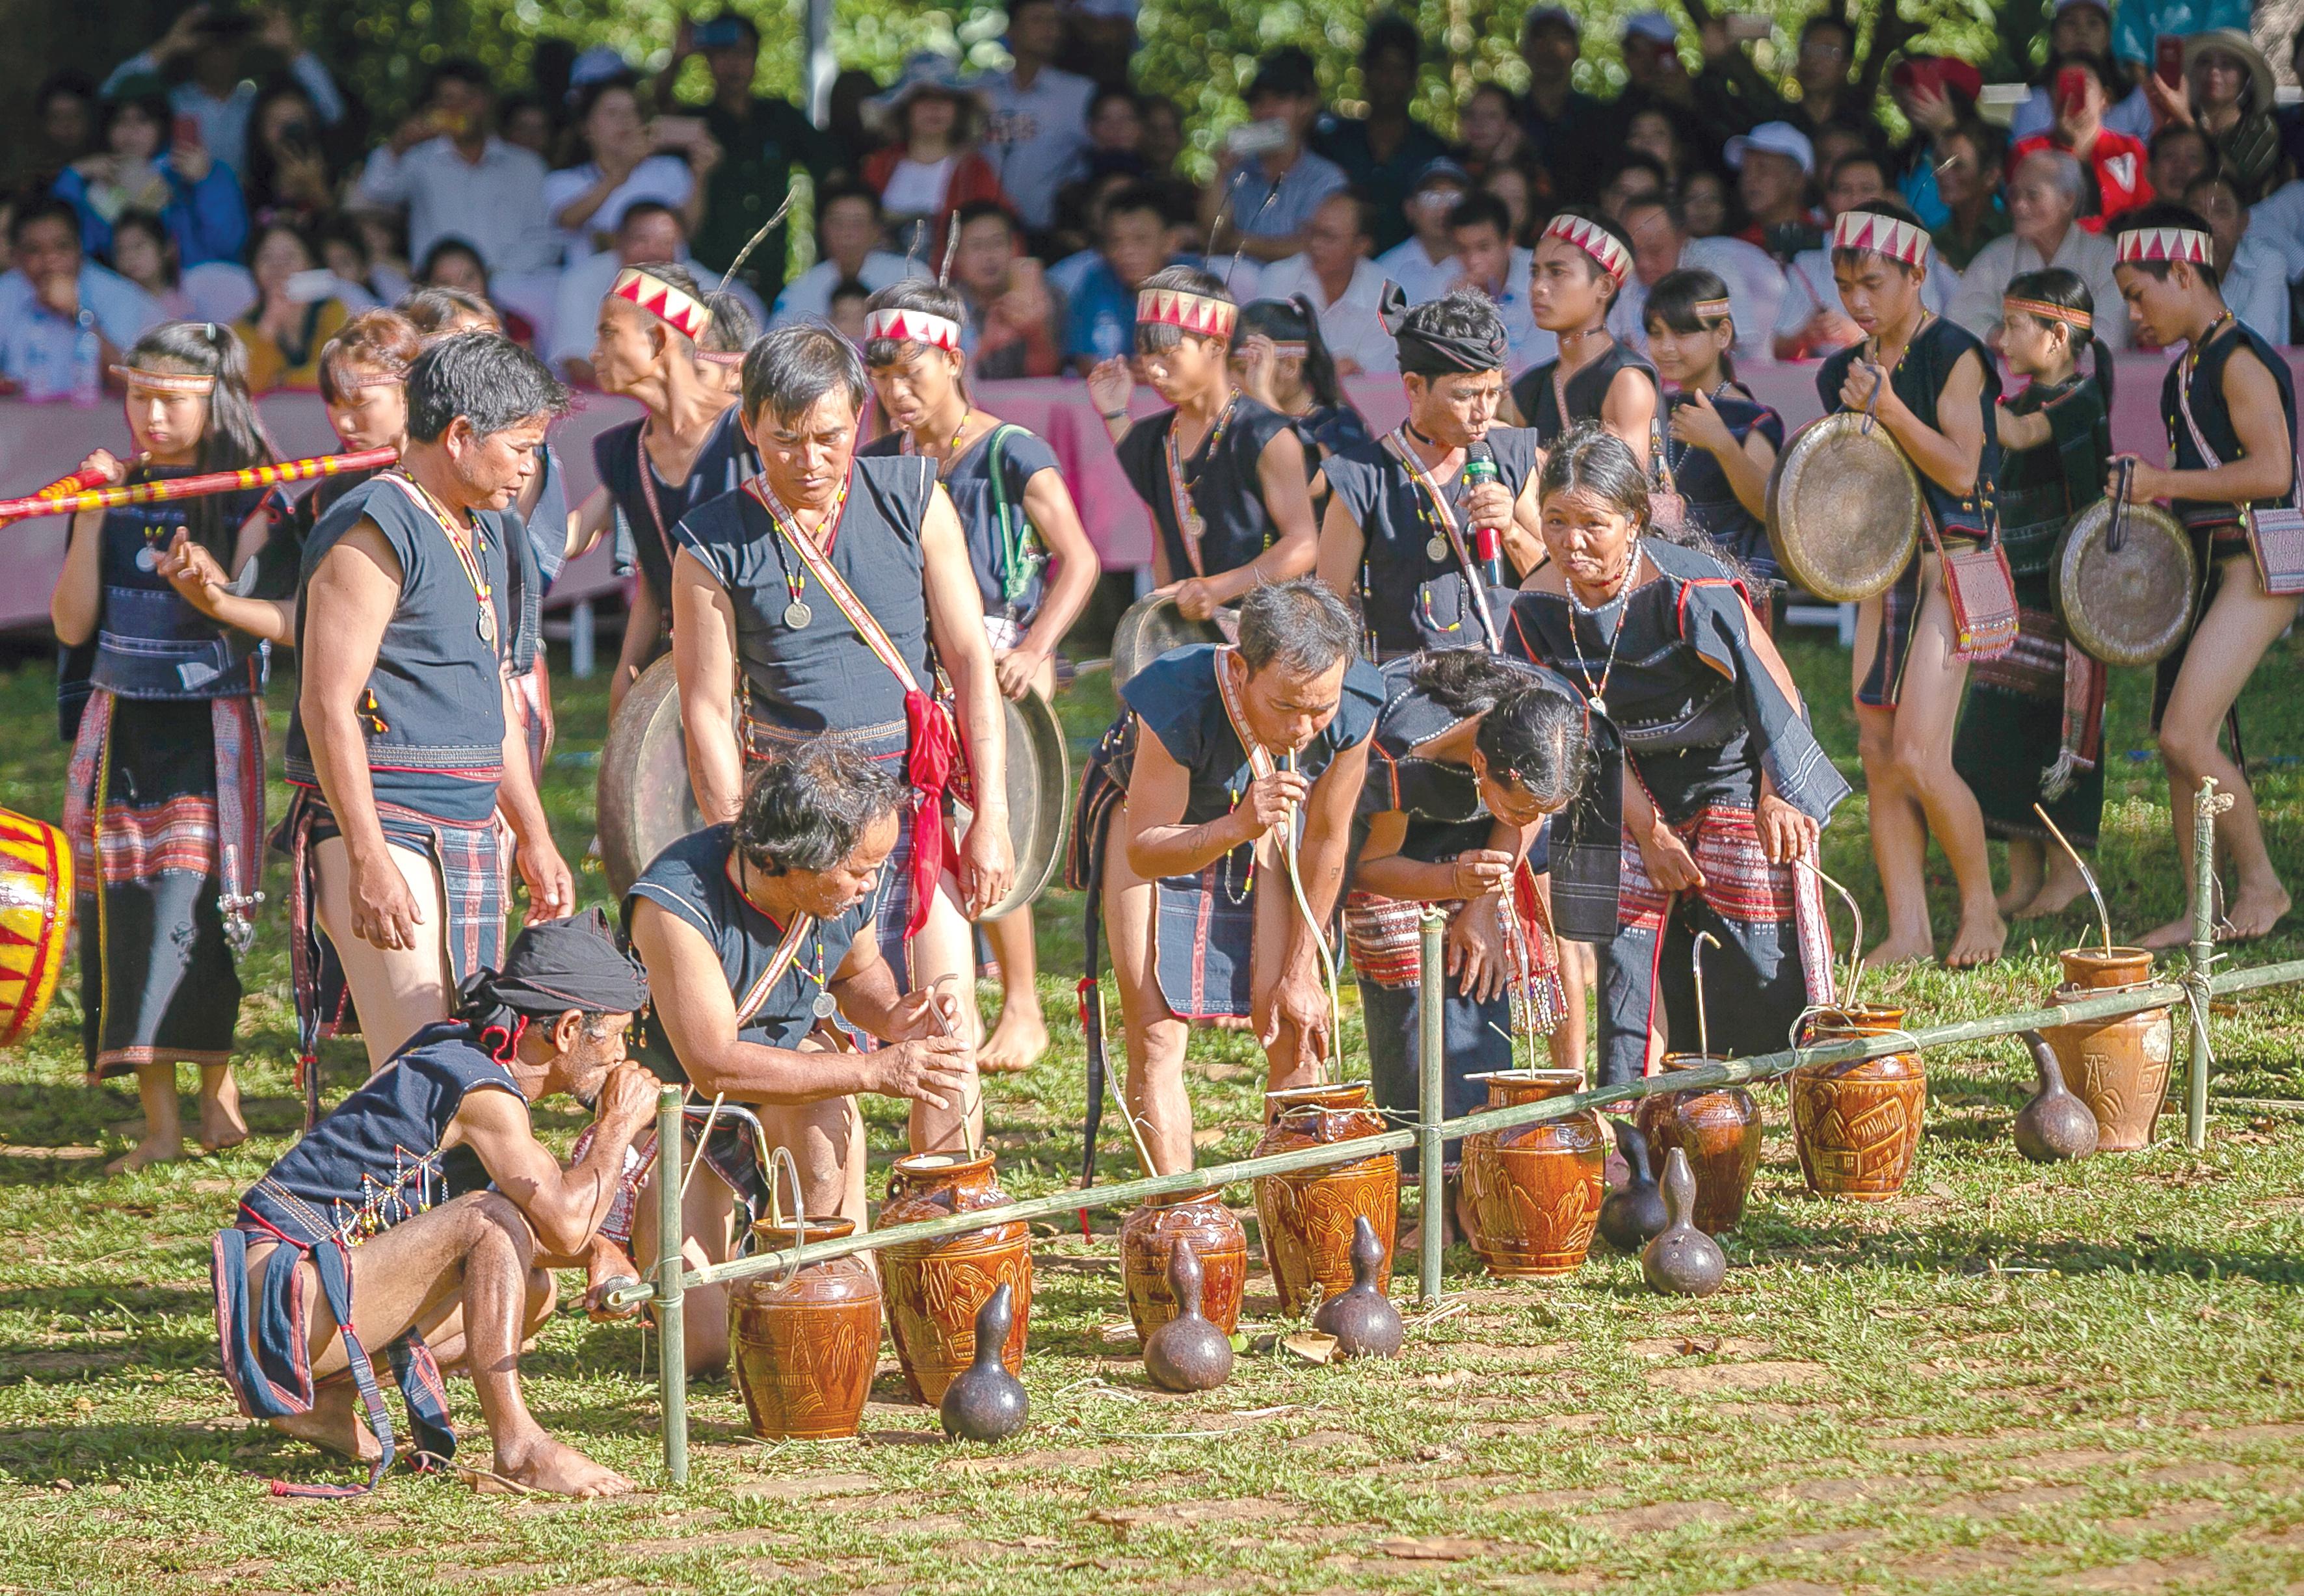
{"x":2206,"y":395}
{"x":1539,"y":403}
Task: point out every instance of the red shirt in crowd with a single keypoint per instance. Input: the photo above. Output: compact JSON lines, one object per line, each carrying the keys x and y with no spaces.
{"x":2118,"y":162}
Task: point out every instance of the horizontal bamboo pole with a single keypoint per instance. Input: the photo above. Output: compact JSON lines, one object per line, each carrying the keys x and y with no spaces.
{"x":1765,"y":1066}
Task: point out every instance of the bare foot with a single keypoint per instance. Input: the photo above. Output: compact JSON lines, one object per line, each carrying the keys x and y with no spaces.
{"x":2174,"y":934}
{"x":1899,"y":950}
{"x":1019,"y":1037}
{"x":546,"y":1464}
{"x":221,"y":1124}
{"x":334,"y":1422}
{"x":2016,"y":902}
{"x":1979,"y":941}
{"x":2253,"y":914}
{"x":2063,"y":888}
{"x":147,"y":1151}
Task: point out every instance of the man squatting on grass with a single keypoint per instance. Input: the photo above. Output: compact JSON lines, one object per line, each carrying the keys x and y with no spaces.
{"x":428,"y":1190}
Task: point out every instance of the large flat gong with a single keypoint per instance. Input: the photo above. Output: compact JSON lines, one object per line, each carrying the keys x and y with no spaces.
{"x":1843,"y":509}
{"x":2127,"y":605}
{"x":646,"y":802}
{"x":1151,"y":627}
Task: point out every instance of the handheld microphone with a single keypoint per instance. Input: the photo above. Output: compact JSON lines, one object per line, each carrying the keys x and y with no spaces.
{"x":1488,"y":541}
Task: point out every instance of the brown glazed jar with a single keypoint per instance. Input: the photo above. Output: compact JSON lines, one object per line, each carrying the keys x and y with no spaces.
{"x":2119,"y":1066}
{"x":1533,"y":1191}
{"x":1719,"y":1130}
{"x":935,"y":1289}
{"x":1857,"y":1126}
{"x":1307,"y":1217}
{"x":1155,"y":1229}
{"x":805,"y":1349}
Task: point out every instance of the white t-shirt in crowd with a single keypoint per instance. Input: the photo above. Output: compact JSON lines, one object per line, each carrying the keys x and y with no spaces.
{"x":664,"y":179}
{"x":1348,"y":323}
{"x":584,"y":284}
{"x":917,"y":187}
{"x":810,"y":292}
{"x":1755,"y":294}
{"x":1038,"y":137}
{"x":1420,"y":277}
{"x":1809,"y":286}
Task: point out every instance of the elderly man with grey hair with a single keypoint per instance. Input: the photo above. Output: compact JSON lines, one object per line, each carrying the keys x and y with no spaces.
{"x":757,"y":935}
{"x":2044,"y":198}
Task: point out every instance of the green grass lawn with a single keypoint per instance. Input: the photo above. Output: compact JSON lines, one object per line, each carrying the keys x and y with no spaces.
{"x":2011,"y":1379}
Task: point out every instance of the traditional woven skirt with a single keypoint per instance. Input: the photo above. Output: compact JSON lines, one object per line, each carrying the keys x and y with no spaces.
{"x":166,"y":814}
{"x":2033,"y":730}
{"x":1204,"y":925}
{"x":471,"y":886}
{"x":1775,"y":957}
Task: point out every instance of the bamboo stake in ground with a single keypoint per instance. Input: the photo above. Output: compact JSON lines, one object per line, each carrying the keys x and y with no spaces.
{"x":2205,"y":808}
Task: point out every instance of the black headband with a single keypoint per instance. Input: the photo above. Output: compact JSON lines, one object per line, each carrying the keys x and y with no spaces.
{"x":553,"y":966}
{"x":1436,"y":354}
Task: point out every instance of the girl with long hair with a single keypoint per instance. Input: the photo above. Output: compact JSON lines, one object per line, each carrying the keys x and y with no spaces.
{"x":1720,"y":441}
{"x":2033,"y":733}
{"x":166,"y":806}
{"x":1280,"y":360}
{"x":1035,"y":567}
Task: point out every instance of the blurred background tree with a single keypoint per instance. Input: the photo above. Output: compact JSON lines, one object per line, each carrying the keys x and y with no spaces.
{"x":1199,"y":52}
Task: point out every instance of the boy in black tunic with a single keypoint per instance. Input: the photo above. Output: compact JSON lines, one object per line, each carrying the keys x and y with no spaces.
{"x":2230,"y":406}
{"x":1222,"y":474}
{"x":1578,"y":270}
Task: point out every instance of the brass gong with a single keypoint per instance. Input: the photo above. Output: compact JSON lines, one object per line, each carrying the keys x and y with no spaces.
{"x":1151,"y":627}
{"x":2125,"y":589}
{"x":646,"y":802}
{"x":1843,"y":509}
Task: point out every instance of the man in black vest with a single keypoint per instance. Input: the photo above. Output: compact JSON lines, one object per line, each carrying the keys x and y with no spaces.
{"x":825,"y":588}
{"x":404,"y":744}
{"x":759,"y":937}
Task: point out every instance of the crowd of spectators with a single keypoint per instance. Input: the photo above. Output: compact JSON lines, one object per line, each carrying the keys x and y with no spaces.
{"x":222,"y":175}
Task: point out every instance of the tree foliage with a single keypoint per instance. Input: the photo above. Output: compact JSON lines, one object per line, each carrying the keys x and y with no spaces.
{"x":1201,"y":53}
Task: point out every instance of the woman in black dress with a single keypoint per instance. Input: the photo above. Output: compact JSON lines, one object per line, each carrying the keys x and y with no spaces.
{"x":1721,"y":443}
{"x":2033,"y":731}
{"x":1727,"y":787}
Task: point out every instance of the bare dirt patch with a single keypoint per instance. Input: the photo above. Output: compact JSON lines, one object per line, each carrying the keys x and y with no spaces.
{"x":1699,"y":1346}
{"x":1528,"y":1356}
{"x":807,"y":1487}
{"x":2194,"y":1473}
{"x":2167,"y":1518}
{"x":1829,"y":1489}
{"x":2144,"y":1575}
{"x":1430,"y":1548}
{"x":1718,"y":1378}
{"x":2003,"y":1504}
{"x":1055,"y":1459}
{"x":1959,"y":1562}
{"x":1825,"y":1541}
{"x":1541,"y":1501}
{"x":1658,"y":1516}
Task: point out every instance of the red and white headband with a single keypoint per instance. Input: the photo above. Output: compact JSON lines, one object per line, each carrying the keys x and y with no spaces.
{"x":1192,"y":312}
{"x":914,"y":326}
{"x":678,"y":309}
{"x":1596,"y":241}
{"x":164,"y":382}
{"x":1882,"y":235}
{"x":2166,"y":243}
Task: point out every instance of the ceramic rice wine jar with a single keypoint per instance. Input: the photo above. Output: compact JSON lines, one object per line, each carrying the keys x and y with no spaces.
{"x":805,"y":1349}
{"x":2119,"y":1067}
{"x":1857,"y":1126}
{"x":1200,"y":1221}
{"x":1719,"y":1130}
{"x":1307,"y":1217}
{"x":1533,"y":1191}
{"x":934,"y":1289}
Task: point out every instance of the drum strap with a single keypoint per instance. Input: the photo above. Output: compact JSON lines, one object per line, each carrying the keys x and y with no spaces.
{"x":779,"y":962}
{"x":1395,"y":443}
{"x":932,"y":744}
